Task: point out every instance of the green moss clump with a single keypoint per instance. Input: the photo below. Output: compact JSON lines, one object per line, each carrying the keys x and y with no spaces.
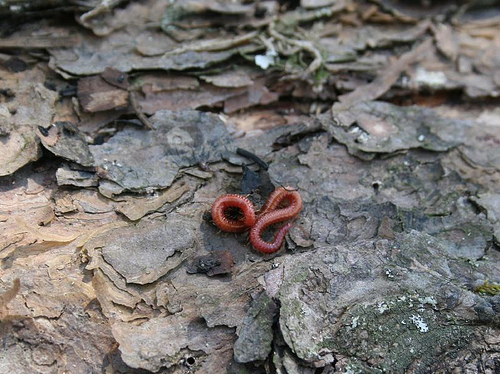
{"x":488,"y":289}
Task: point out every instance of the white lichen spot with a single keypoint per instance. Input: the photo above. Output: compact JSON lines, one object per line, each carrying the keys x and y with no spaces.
{"x":418,"y":321}
{"x":323,"y":12}
{"x":349,"y":369}
{"x":354,"y":322}
{"x":355,"y":130}
{"x":363,"y":138}
{"x":429,"y":300}
{"x":264,"y":61}
{"x":382,"y":307}
{"x":421,"y":138}
{"x":434,"y":79}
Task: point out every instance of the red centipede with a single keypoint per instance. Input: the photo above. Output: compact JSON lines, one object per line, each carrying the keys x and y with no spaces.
{"x":283,"y":204}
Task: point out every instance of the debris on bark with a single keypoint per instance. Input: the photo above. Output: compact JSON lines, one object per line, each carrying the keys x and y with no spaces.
{"x":121,"y":126}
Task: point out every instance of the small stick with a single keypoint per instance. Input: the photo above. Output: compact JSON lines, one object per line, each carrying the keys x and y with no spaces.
{"x":138,"y":112}
{"x":253,"y":157}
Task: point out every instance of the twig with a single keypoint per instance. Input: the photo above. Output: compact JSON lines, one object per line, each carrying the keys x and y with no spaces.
{"x":104,"y":7}
{"x":253,"y":157}
{"x":214,"y":44}
{"x":138,"y":111}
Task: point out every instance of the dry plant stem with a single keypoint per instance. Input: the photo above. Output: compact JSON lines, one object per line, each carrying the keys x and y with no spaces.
{"x":267,"y":43}
{"x":305,"y":45}
{"x":104,"y":7}
{"x":39,"y":42}
{"x":214,"y":45}
{"x":138,"y":112}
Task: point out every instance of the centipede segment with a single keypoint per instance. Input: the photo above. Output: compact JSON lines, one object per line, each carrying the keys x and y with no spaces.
{"x":233,"y":213}
{"x":283,"y":204}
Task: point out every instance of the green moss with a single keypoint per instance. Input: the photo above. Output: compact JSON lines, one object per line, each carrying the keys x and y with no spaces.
{"x":321,"y":75}
{"x":488,"y":289}
{"x":391,"y":335}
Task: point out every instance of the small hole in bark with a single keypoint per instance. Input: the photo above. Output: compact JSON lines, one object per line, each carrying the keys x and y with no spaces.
{"x":376,"y":185}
